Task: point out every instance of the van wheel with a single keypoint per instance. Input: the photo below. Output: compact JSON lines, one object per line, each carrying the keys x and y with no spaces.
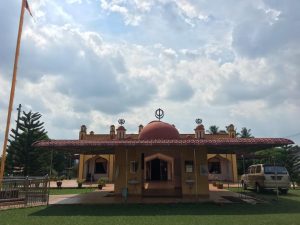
{"x":258,"y":189}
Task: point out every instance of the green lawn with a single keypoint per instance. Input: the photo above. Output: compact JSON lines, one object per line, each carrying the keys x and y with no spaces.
{"x":66,"y":191}
{"x":269,"y":195}
{"x":284,"y":211}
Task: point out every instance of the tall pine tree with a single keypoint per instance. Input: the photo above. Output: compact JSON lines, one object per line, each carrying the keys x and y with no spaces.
{"x":21,"y":154}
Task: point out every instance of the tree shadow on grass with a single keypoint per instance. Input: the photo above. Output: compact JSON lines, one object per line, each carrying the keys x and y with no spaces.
{"x":270,"y":195}
{"x":283,"y":206}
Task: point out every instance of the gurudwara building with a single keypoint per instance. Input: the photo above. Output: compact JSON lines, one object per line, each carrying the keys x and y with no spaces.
{"x":158,"y":160}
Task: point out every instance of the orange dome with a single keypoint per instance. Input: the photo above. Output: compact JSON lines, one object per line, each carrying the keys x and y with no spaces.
{"x":159,"y":130}
{"x":121,"y":128}
{"x":200,"y":127}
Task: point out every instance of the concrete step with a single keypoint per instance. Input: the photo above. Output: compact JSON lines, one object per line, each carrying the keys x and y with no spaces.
{"x":162,"y":192}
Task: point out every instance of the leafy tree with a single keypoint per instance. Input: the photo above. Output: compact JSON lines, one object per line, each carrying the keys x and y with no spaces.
{"x":270,"y":156}
{"x":292,"y":162}
{"x":244,"y":161}
{"x":213,"y":129}
{"x":288,"y":156}
{"x":245,"y":133}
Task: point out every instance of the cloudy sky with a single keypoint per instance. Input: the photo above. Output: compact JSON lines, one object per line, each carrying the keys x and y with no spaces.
{"x":95,"y":61}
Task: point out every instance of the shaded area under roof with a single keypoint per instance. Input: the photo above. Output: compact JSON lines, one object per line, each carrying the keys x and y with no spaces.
{"x":218,"y":146}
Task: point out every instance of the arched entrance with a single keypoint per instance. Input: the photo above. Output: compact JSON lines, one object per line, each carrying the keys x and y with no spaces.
{"x":159,"y":167}
{"x":96,"y":167}
{"x":157,"y":170}
{"x":159,"y":176}
{"x":219,"y":168}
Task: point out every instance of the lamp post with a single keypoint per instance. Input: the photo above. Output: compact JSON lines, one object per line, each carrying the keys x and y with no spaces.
{"x":275,"y":172}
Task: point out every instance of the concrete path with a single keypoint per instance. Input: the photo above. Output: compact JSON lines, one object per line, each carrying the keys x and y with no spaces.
{"x":106,"y":196}
{"x":71,"y":184}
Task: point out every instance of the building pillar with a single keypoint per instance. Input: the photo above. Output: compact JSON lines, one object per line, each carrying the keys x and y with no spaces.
{"x":234,"y":168}
{"x":81,"y":167}
{"x":202,"y":172}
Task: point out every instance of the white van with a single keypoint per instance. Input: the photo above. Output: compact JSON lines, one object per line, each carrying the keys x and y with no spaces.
{"x":264,"y":176}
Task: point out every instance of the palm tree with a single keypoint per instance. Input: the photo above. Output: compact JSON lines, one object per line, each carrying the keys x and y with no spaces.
{"x":245,"y":133}
{"x":213,"y":129}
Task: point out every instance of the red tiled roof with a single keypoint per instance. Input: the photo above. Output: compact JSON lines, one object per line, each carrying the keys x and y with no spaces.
{"x":216,"y":145}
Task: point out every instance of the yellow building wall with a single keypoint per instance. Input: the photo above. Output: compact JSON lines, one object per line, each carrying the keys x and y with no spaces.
{"x":120,"y":173}
{"x":123,"y":177}
{"x":118,"y":169}
{"x":134,"y":180}
{"x":200,"y":186}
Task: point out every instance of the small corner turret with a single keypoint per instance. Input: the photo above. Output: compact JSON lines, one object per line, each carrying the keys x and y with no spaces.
{"x":121,"y":131}
{"x":140,"y":128}
{"x":82,"y":132}
{"x":112,"y":132}
{"x":199,"y":130}
{"x":231,"y":131}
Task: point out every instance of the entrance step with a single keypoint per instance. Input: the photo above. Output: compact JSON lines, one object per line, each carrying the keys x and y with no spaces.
{"x":162,"y":192}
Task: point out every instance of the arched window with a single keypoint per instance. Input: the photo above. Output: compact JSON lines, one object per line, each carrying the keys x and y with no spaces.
{"x":214,"y":165}
{"x":101,"y":166}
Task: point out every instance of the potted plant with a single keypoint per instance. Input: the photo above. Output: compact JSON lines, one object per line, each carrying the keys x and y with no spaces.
{"x":59,"y":181}
{"x":101,"y":183}
{"x":220,"y":185}
{"x":80,"y":182}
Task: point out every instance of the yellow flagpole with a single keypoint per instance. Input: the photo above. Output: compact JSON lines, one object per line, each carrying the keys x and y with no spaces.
{"x":12,"y":90}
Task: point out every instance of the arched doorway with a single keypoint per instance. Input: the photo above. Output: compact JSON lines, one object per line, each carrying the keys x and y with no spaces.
{"x":96,"y":167}
{"x":159,"y":167}
{"x":158,"y":170}
{"x":219,"y":168}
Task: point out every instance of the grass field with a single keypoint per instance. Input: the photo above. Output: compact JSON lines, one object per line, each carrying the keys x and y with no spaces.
{"x":284,"y":211}
{"x":66,"y":191}
{"x":267,"y":195}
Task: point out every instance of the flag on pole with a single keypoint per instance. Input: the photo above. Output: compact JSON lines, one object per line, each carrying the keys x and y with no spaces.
{"x":27,"y":7}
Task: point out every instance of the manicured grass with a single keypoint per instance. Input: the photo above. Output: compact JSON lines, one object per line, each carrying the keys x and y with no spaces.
{"x":268,"y":195}
{"x":66,"y":191}
{"x":285,"y":211}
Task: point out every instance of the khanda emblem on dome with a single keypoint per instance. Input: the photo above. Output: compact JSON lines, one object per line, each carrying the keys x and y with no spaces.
{"x":159,"y":114}
{"x":121,"y":121}
{"x":198,"y":121}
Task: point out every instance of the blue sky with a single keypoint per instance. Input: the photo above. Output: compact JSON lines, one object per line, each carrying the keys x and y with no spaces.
{"x":93,"y":62}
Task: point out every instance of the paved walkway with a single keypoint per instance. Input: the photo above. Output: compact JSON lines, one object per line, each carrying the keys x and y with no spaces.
{"x":106,"y":196}
{"x":71,"y":184}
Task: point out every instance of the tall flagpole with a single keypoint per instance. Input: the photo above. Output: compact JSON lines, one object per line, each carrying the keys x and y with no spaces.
{"x":12,"y":90}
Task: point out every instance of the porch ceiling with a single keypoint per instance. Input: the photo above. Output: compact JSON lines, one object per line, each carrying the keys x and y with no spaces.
{"x":230,"y":145}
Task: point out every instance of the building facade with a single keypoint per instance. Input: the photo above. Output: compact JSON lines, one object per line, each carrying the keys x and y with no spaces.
{"x":221,"y":167}
{"x":158,"y":160}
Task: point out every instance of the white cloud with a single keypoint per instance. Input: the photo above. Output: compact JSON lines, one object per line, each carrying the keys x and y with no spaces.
{"x":90,"y":62}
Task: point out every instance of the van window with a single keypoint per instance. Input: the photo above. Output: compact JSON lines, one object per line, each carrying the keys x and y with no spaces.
{"x":252,"y":170}
{"x":273,"y":169}
{"x":258,"y":169}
